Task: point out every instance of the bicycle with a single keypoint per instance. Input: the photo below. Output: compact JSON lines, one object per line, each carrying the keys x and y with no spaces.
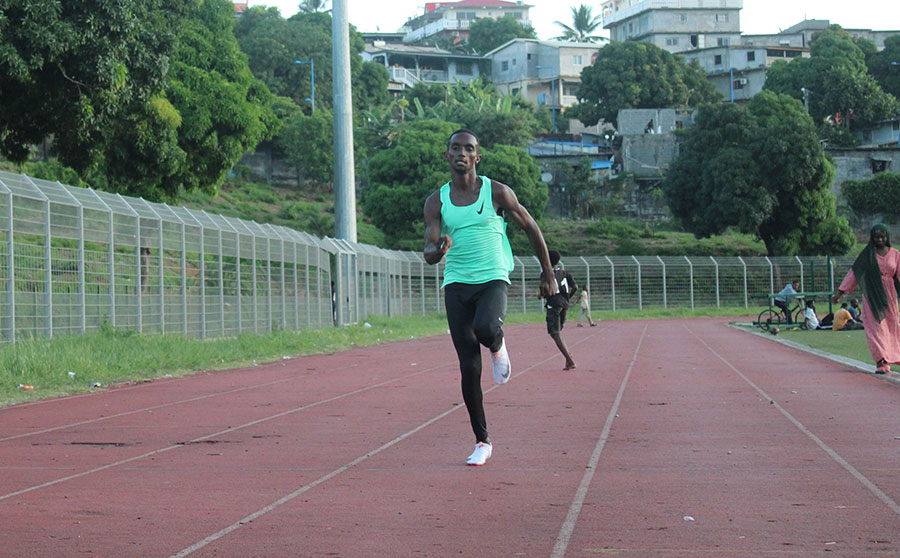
{"x":774,"y":317}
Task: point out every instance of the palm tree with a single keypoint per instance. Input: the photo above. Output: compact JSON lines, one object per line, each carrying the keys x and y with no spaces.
{"x":312,"y":6}
{"x":584,"y":22}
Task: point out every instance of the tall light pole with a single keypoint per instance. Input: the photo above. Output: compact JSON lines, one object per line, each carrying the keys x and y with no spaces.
{"x":312,"y":76}
{"x":552,"y":95}
{"x":344,"y":177}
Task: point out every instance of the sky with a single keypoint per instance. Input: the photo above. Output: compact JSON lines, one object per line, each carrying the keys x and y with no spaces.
{"x":757,"y":16}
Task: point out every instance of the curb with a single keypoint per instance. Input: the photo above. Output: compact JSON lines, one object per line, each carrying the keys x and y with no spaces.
{"x":892,"y":378}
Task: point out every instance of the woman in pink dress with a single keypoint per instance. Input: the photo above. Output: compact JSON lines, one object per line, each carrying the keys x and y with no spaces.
{"x":877,"y":272}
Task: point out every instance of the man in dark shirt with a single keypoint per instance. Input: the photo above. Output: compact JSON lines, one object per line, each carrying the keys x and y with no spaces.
{"x":558,"y":304}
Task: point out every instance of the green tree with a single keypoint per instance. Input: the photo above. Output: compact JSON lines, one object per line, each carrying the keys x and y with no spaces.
{"x":273,"y":46}
{"x":629,"y":75}
{"x":584,"y":23}
{"x":761,"y":170}
{"x":223,"y":111}
{"x":486,"y":34}
{"x":885,"y":66}
{"x":879,"y":194}
{"x":836,"y":82}
{"x":312,"y":6}
{"x":306,"y":141}
{"x":72,"y":69}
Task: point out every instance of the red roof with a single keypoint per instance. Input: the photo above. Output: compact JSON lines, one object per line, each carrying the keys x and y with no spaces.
{"x":239,"y":7}
{"x":430,"y":6}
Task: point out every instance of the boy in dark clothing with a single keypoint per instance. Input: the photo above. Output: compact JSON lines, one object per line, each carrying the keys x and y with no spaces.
{"x":557,"y":306}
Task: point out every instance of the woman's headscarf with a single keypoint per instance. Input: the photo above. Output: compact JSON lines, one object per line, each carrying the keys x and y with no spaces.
{"x":868,"y":275}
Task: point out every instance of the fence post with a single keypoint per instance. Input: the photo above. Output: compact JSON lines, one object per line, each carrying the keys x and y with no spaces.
{"x":801,"y":274}
{"x":587,"y":274}
{"x":746,"y":302}
{"x":184,"y":304}
{"x":221,"y":282}
{"x":161,"y":275}
{"x":268,"y":284}
{"x":422,"y":283}
{"x":82,"y":287}
{"x":48,"y":273}
{"x":771,"y":276}
{"x":663,"y":264}
{"x":11,"y":262}
{"x":691,"y":280}
{"x":640,"y":288}
{"x":717,"y":280}
{"x":111,"y":266}
{"x":612,"y":282}
{"x":202,"y":283}
{"x":524,"y":297}
{"x":296,"y":287}
{"x":830,"y":263}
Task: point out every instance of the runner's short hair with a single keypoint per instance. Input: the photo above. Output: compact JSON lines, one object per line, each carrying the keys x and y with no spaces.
{"x":464,"y":131}
{"x":554,"y":257}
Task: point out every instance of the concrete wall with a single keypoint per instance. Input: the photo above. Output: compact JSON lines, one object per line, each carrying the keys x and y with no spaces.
{"x":648,"y":155}
{"x":857,"y":164}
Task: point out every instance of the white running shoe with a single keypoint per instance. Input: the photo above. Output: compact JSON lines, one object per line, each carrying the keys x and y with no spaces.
{"x":480,"y":455}
{"x":500,"y":363}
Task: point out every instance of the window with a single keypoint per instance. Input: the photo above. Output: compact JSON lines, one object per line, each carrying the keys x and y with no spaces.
{"x":672,"y":41}
{"x":722,"y":18}
{"x":464,"y":68}
{"x":542,"y":98}
{"x":514,"y":62}
{"x":504,"y":66}
{"x":695,"y":41}
{"x":577,"y":60}
{"x":722,"y":41}
{"x":683,"y":18}
{"x":717,"y":60}
{"x":751,"y":56}
{"x":895,"y":125}
{"x":517,"y":15}
{"x":528,"y":56}
{"x":879,"y":166}
{"x":466,"y":15}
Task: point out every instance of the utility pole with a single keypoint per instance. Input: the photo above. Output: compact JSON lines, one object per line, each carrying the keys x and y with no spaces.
{"x":344,"y":176}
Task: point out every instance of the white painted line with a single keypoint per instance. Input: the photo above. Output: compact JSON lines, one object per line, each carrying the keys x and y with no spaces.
{"x":208,"y":436}
{"x":873,"y":488}
{"x":568,"y":526}
{"x":281,"y":501}
{"x":153,"y":408}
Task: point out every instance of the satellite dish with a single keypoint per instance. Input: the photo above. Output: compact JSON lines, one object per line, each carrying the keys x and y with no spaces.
{"x":546,"y":177}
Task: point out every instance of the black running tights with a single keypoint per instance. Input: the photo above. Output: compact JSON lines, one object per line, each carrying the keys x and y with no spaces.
{"x":475,"y":314}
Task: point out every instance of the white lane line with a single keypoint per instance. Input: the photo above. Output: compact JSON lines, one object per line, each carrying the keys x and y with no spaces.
{"x":873,"y":488}
{"x":153,"y":408}
{"x":568,"y":526}
{"x":208,"y":436}
{"x":281,"y":501}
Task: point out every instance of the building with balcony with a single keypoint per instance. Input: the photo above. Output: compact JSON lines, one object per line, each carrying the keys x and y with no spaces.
{"x":739,"y":72}
{"x":410,"y":65}
{"x":674,"y":25}
{"x":451,"y":20}
{"x":544,"y":72}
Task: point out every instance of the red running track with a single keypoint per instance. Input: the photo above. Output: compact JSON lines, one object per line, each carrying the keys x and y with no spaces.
{"x":674,"y":438}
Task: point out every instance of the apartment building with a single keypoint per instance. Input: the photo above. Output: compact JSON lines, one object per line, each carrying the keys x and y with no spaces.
{"x":674,"y":25}
{"x":451,"y":20}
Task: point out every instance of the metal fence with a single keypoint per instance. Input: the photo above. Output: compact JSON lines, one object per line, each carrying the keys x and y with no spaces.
{"x":75,"y":259}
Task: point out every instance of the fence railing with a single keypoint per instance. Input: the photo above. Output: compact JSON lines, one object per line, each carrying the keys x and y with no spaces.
{"x":74,"y":259}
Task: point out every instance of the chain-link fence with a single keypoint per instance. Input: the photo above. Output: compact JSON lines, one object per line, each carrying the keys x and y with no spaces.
{"x":75,"y":259}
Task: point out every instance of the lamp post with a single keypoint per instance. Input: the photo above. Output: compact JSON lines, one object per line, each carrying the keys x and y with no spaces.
{"x":730,"y":80}
{"x":312,"y":76}
{"x":552,"y":96}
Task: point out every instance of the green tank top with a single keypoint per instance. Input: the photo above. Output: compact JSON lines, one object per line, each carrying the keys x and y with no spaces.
{"x":480,"y":250}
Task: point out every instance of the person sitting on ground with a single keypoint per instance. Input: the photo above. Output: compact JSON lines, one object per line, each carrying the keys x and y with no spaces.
{"x":810,"y":320}
{"x":855,"y":310}
{"x":843,"y":320}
